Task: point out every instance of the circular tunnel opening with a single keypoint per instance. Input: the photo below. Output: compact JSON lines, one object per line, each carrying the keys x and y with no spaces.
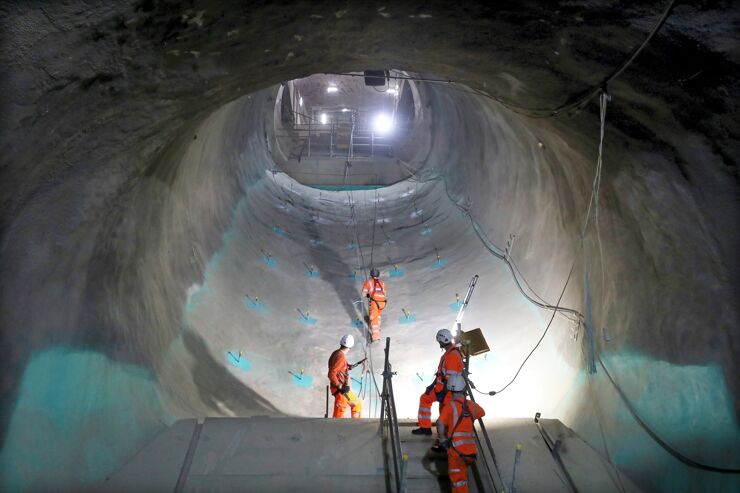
{"x":350,"y":129}
{"x":170,"y":250}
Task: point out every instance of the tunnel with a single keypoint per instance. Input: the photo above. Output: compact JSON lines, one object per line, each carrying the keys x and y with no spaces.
{"x":174,"y":248}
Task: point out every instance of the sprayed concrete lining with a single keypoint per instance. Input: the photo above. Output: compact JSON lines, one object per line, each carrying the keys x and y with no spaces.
{"x":143,"y":215}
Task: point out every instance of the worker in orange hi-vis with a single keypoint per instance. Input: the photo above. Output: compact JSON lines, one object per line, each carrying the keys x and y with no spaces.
{"x":456,"y":434}
{"x":374,"y":289}
{"x":339,"y":380}
{"x":450,"y":364}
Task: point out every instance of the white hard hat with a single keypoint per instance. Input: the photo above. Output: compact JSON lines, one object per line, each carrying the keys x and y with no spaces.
{"x":444,"y":336}
{"x":456,"y":383}
{"x":347,"y":341}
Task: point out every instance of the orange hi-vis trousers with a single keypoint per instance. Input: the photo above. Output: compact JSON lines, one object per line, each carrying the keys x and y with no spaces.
{"x":375,"y":309}
{"x":425,"y":407}
{"x":457,"y":468}
{"x":341,"y":402}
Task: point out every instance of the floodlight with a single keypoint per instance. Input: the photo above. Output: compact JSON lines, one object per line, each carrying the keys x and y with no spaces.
{"x":382,"y":124}
{"x":323,"y":118}
{"x":332,"y":89}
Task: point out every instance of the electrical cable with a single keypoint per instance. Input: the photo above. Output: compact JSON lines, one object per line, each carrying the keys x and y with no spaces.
{"x":657,"y":439}
{"x":576,"y":101}
{"x":552,"y":317}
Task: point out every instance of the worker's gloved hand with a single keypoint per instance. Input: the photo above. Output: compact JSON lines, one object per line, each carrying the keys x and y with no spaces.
{"x":429,"y":389}
{"x":441,"y":396}
{"x":445,"y":444}
{"x":345,"y":389}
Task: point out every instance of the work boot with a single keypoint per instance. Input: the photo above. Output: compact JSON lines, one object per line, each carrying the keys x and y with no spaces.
{"x":422,"y":431}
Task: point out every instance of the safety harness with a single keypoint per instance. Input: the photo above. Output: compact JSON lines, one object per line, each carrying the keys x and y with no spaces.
{"x":466,"y":414}
{"x":441,"y":374}
{"x":376,"y":283}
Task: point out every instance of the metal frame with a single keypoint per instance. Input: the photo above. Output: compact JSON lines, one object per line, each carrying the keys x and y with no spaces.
{"x":388,"y":417}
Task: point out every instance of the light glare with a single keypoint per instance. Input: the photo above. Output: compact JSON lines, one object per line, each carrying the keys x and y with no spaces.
{"x":382,"y":124}
{"x":323,"y":118}
{"x":332,"y":89}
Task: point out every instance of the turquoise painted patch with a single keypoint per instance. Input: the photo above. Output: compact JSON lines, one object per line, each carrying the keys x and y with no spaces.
{"x":254,"y":305}
{"x":689,"y":407}
{"x":278,"y":231}
{"x":239,"y":361}
{"x":313,"y":274}
{"x":269,"y":261}
{"x":439,"y":263}
{"x":426,"y":231}
{"x":455,"y":307}
{"x":351,"y":246}
{"x":302,"y":381}
{"x":308,"y":320}
{"x":78,"y":417}
{"x":354,"y":276}
{"x":389,"y":242}
{"x":316,"y":242}
{"x":358,"y":324}
{"x":343,"y":188}
{"x":407,"y":319}
{"x":396,"y":272}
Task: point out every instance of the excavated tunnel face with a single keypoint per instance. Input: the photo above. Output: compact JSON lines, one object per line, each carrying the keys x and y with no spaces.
{"x":172,"y":248}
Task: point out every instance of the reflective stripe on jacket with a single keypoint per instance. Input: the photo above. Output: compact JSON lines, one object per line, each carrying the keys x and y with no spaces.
{"x":375,"y":288}
{"x":338,"y":370}
{"x":451,"y":363}
{"x":463,"y":412}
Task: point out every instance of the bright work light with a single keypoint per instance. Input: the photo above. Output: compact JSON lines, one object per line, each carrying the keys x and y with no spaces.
{"x":382,"y":124}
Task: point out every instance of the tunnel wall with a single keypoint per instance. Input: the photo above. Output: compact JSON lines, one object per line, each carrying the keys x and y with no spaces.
{"x":87,"y":315}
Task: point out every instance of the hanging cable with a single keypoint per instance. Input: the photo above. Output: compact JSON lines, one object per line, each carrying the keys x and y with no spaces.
{"x":552,"y":317}
{"x":576,"y":101}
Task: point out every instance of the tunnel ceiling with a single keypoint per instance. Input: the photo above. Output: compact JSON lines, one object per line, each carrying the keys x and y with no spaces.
{"x":139,"y":170}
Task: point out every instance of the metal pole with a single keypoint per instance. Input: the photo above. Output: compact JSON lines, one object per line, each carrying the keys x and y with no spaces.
{"x":309,"y":138}
{"x":500,"y":485}
{"x":326,"y":413}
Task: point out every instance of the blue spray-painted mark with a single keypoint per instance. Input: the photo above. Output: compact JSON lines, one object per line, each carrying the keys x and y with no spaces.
{"x":351,"y":246}
{"x":407,"y":319}
{"x":234,"y":358}
{"x":269,"y":261}
{"x":278,"y":231}
{"x":316,"y":242}
{"x":254,"y":305}
{"x":302,"y":381}
{"x":313,"y":274}
{"x":455,"y":307}
{"x":397,"y":272}
{"x":439,"y":263}
{"x":307,"y":319}
{"x":358,"y":324}
{"x":426,"y":231}
{"x":589,"y":325}
{"x":353,"y":276}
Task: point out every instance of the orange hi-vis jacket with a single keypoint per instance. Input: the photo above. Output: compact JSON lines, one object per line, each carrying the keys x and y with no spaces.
{"x":458,"y":417}
{"x":376,"y":289}
{"x":338,"y":371}
{"x":451,"y":363}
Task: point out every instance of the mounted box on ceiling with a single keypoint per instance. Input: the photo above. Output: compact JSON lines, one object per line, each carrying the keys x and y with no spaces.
{"x":375,"y":77}
{"x":475,"y":341}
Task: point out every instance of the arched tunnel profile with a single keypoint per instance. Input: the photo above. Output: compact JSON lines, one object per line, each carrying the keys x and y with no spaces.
{"x":193,"y":193}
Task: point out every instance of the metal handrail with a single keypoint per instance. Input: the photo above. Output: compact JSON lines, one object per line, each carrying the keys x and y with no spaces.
{"x":388,"y":417}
